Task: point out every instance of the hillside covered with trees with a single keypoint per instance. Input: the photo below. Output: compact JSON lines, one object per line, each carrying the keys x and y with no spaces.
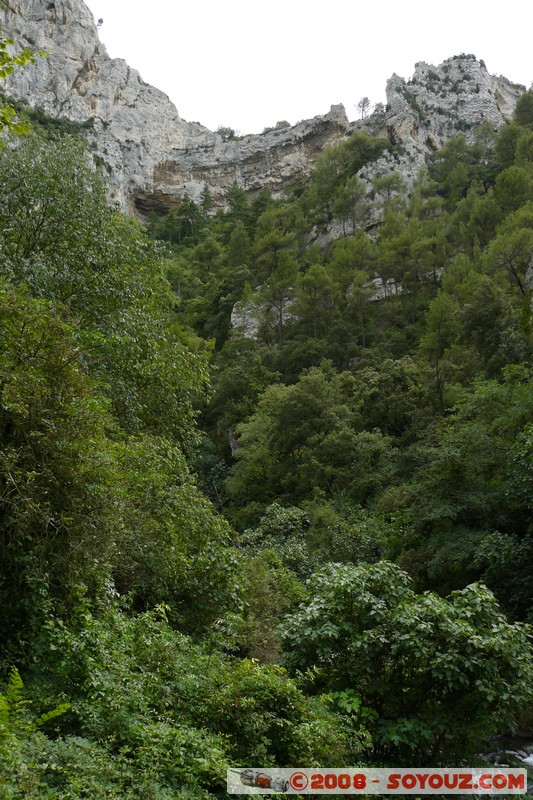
{"x":265,"y":496}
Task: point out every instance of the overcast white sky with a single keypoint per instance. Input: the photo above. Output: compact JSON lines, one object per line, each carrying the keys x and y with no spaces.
{"x":249,"y":63}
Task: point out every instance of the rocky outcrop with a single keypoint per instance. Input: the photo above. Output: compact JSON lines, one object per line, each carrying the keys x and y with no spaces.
{"x":458,"y":96}
{"x":273,"y":161}
{"x":154,"y":157}
{"x":133,"y":125}
{"x":438,"y":102}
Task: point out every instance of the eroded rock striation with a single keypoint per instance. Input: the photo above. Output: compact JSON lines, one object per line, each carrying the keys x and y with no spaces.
{"x":154,"y":157}
{"x":438,"y":102}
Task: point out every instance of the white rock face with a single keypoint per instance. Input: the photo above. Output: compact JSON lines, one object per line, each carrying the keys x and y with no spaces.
{"x":154,"y":157}
{"x":135,"y":126}
{"x":424,"y":112}
{"x":246,"y":319}
{"x":439,"y":102}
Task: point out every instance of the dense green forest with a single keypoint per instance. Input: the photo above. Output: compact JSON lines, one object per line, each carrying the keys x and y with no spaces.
{"x":309,"y":546}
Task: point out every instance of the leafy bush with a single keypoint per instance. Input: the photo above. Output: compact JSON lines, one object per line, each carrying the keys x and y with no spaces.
{"x":153,"y":712}
{"x":441,"y":674}
{"x":106,"y":277}
{"x":83,"y":504}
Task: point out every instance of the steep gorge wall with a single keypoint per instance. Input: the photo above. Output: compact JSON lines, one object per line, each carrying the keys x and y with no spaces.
{"x":154,"y":156}
{"x":438,"y":102}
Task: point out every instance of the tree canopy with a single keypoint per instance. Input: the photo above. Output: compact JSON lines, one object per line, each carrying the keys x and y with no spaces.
{"x":265,"y":472}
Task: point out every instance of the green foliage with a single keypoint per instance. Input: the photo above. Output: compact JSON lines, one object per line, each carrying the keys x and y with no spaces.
{"x":80,"y":503}
{"x":523,"y":114}
{"x":55,"y":459}
{"x":378,"y":410}
{"x":315,"y":298}
{"x":332,"y":186}
{"x":343,"y":532}
{"x":453,"y":169}
{"x":239,"y":381}
{"x":14,"y":718}
{"x":42,"y":124}
{"x":363,"y":105}
{"x":157,"y":759}
{"x":304,"y":438}
{"x":394,"y":397}
{"x":440,"y":674}
{"x":183,"y":225}
{"x":153,"y":714}
{"x":60,"y":239}
{"x":271,"y":589}
{"x":282,"y":531}
{"x":18,"y":727}
{"x":173,"y":546}
{"x":279,"y":126}
{"x":506,"y":563}
{"x":472,"y":477}
{"x":228,"y":134}
{"x":510,"y":253}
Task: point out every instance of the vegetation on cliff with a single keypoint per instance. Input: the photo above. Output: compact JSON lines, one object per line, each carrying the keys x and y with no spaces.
{"x":312,"y":545}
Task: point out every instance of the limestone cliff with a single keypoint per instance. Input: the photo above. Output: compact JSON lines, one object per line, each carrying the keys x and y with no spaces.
{"x":154,"y":156}
{"x":134,"y":125}
{"x":438,"y":102}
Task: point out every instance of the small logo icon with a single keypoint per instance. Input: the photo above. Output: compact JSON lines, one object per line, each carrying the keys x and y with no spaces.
{"x":299,"y":781}
{"x":262,"y":780}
